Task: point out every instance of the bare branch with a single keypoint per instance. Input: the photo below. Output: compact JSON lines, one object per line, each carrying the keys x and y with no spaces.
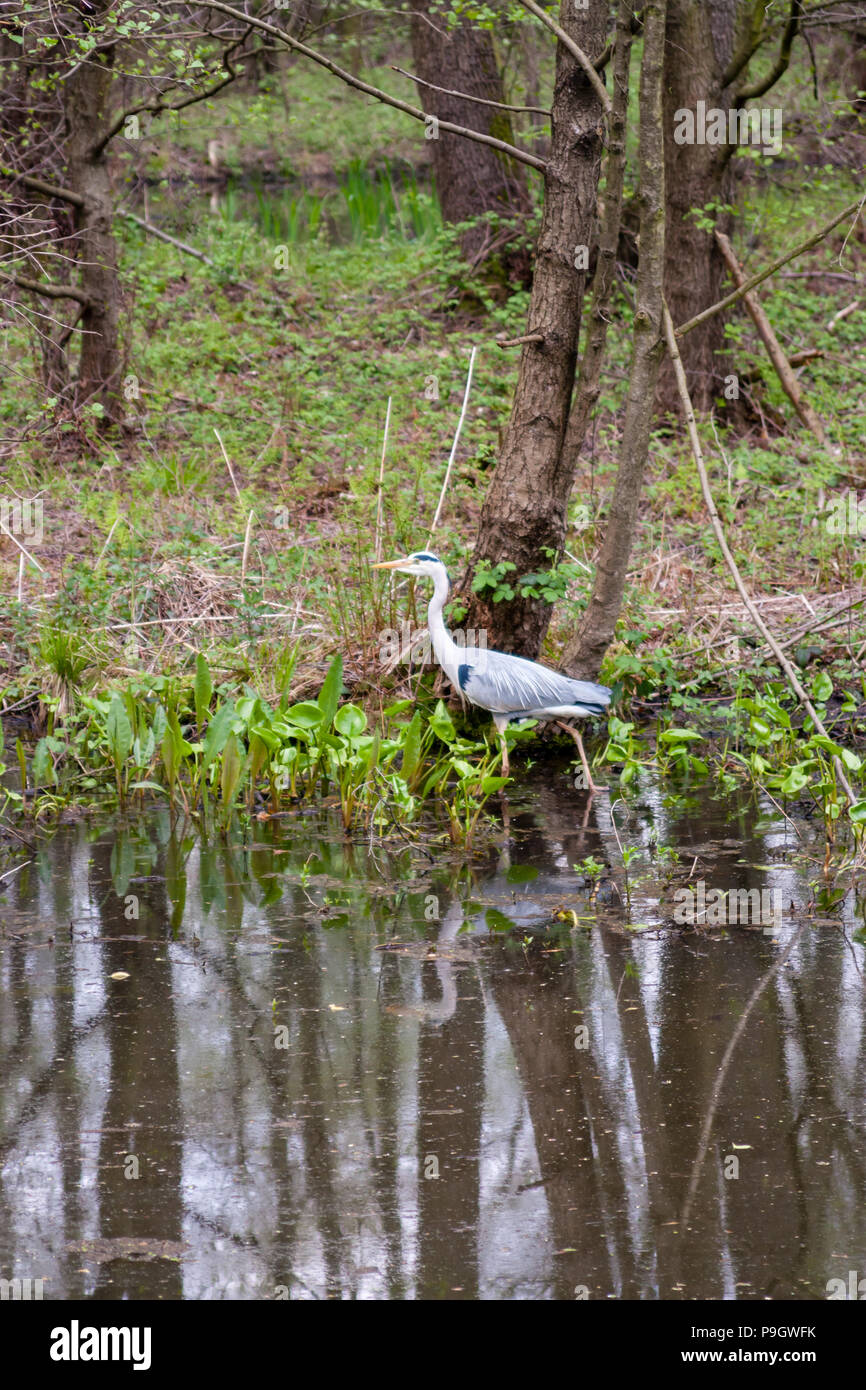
{"x":157,"y":108}
{"x":781,"y":64}
{"x":769,"y":270}
{"x":577,"y":53}
{"x":50,"y":290}
{"x":464,"y":96}
{"x":50,"y":190}
{"x":775,"y":351}
{"x":516,"y":342}
{"x":756,"y":36}
{"x":365,"y":87}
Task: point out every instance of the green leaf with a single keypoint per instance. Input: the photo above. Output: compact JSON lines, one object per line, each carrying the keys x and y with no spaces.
{"x":350,"y":721}
{"x":218,"y":731}
{"x":678,"y":735}
{"x":119,"y":731}
{"x":442,"y":724}
{"x":796,"y":780}
{"x":43,"y":765}
{"x":822,"y":687}
{"x":521,"y":873}
{"x":412,"y":747}
{"x":329,"y":695}
{"x":202,"y":689}
{"x":306,"y":715}
{"x":231,"y":770}
{"x":497,"y":921}
{"x":493,"y":784}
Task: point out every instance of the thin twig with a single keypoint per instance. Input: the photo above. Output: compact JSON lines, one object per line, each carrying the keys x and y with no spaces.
{"x":454,"y":445}
{"x":7,"y":532}
{"x":16,"y":870}
{"x":465,"y":96}
{"x":381,"y":482}
{"x":229,"y":465}
{"x":246,"y":548}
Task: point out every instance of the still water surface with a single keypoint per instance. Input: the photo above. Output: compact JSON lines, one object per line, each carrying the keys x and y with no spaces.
{"x":310,"y":1067}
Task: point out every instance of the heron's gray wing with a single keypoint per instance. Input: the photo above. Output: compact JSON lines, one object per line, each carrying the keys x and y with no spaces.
{"x":502,"y":683}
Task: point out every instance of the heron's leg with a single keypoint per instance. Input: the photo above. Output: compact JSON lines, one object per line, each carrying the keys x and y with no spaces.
{"x":506,"y":771}
{"x":569,"y":729}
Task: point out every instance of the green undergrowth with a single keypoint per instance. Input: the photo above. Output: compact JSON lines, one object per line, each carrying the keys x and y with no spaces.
{"x":222,"y":758}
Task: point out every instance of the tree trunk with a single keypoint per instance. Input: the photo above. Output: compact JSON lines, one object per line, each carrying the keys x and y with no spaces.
{"x":524,"y":511}
{"x":583,"y":654}
{"x":701,"y":38}
{"x":99,"y":367}
{"x":610,"y":223}
{"x":471,"y":179}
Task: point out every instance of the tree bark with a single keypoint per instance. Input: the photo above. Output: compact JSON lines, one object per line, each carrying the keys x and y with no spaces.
{"x":471,"y":179}
{"x":589,"y":384}
{"x":87,"y":112}
{"x":524,"y":512}
{"x":707,"y":44}
{"x":583,"y":654}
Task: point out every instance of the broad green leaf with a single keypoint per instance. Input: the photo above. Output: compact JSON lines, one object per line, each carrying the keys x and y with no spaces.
{"x":442,"y":724}
{"x":795,"y":781}
{"x":119,"y":730}
{"x":521,"y":873}
{"x":822,"y":687}
{"x":412,"y":747}
{"x":217,"y":734}
{"x":350,"y":721}
{"x":43,"y":765}
{"x":202,"y":689}
{"x":329,"y":695}
{"x":231,"y":770}
{"x":306,"y":715}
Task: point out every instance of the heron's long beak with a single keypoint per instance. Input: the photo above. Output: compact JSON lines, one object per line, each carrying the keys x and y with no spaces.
{"x":391,"y":564}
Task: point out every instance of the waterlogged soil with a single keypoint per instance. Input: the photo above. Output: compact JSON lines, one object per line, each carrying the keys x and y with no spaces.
{"x":304,"y":1066}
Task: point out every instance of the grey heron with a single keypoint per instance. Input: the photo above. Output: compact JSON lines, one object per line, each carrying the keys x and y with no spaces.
{"x":510,"y":687}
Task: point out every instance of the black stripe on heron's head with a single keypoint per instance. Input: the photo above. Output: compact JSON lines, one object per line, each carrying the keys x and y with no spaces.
{"x":425,"y":555}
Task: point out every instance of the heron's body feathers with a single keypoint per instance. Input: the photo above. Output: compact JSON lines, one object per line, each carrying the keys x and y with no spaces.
{"x":512,"y":685}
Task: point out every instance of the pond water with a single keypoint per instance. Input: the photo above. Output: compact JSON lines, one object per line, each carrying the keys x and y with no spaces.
{"x":305,"y":1066}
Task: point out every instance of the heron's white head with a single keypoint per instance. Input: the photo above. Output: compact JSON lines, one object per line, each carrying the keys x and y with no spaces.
{"x":419,"y":562}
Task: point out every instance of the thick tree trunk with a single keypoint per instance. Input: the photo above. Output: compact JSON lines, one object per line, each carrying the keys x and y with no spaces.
{"x":524,"y":511}
{"x":99,"y":367}
{"x":583,"y":654}
{"x":471,"y":179}
{"x":589,"y":385}
{"x":701,"y":38}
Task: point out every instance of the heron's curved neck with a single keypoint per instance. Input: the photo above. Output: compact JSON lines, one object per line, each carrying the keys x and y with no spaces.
{"x":446,"y":649}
